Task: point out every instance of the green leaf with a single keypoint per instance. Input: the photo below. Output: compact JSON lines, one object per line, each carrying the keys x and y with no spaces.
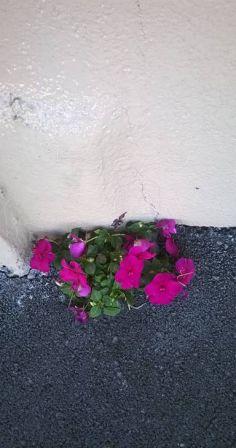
{"x":101,"y":259}
{"x":60,"y":254}
{"x":110,"y":301}
{"x":96,"y":295}
{"x":90,"y":268}
{"x":102,"y":232}
{"x":111,"y":310}
{"x":98,"y":278}
{"x":129,"y":297}
{"x":95,"y":311}
{"x":66,"y":289}
{"x":103,"y":237}
{"x":115,"y":256}
{"x":77,"y":231}
{"x":57,"y":262}
{"x":135,"y":227}
{"x":92,"y":250}
{"x":116,"y":242}
{"x":113,"y":267}
{"x":104,"y":291}
{"x":105,"y":282}
{"x":100,"y":241}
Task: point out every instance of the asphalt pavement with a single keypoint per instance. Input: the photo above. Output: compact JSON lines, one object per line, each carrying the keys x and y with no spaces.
{"x":150,"y":378}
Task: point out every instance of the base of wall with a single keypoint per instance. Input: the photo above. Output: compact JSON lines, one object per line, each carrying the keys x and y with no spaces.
{"x":11,"y":260}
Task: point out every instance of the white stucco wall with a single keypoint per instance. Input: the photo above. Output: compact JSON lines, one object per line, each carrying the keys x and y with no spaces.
{"x":116,"y":105}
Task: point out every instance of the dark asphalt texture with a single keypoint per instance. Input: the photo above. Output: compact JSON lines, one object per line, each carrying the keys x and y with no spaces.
{"x":153,"y":378}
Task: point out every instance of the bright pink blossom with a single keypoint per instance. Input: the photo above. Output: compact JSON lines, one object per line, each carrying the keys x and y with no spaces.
{"x":186,"y":269}
{"x":83,"y":290}
{"x":171,"y":247}
{"x":129,"y":272}
{"x":73,"y":274}
{"x":77,"y":247}
{"x":80,"y":314}
{"x":141,"y":249}
{"x":42,"y":256}
{"x":163,"y":289}
{"x":167,"y":226}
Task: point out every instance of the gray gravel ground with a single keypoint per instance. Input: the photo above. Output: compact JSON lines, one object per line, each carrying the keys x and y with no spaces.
{"x":153,"y":378}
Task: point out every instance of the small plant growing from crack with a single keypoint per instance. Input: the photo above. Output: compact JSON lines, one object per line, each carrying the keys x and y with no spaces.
{"x":103,"y":269}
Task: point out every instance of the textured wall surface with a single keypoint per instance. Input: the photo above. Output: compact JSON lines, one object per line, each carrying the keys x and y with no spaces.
{"x":111,"y":106}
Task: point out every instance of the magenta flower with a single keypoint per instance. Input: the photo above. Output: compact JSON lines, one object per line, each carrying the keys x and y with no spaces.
{"x":42,"y":256}
{"x":163,"y":289}
{"x":141,"y":249}
{"x":129,"y":272}
{"x":77,"y":247}
{"x":70,"y":272}
{"x":167,"y":226}
{"x":186,"y":269}
{"x":171,"y":247}
{"x":80,"y":314}
{"x":83,"y":290}
{"x":73,"y":274}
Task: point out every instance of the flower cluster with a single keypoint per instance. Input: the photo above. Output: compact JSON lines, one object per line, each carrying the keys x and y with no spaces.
{"x":100,"y":269}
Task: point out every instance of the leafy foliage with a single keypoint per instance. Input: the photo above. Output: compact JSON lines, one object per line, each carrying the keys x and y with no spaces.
{"x":103,"y":252}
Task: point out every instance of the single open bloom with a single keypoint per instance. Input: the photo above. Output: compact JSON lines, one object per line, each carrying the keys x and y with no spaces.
{"x":80,"y":314}
{"x":141,"y":249}
{"x":163,"y":289}
{"x":167,"y":226}
{"x":129,"y":272}
{"x":72,"y":273}
{"x":77,"y":246}
{"x":186,"y":269}
{"x":42,"y":256}
{"x":171,"y":247}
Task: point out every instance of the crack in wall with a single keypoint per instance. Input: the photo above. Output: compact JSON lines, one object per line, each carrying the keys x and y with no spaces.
{"x":143,"y":34}
{"x":141,"y":183}
{"x":140,"y":14}
{"x":145,"y":196}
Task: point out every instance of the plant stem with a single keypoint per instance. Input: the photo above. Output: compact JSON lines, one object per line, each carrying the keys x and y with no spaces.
{"x":138,"y":307}
{"x":95,"y":237}
{"x":119,"y":234}
{"x":55,"y":242}
{"x":91,"y":239}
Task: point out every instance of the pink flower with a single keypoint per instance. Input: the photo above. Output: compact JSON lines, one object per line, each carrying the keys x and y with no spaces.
{"x":73,"y":274}
{"x":83,"y":290}
{"x":171,"y":247}
{"x":167,"y":226}
{"x":129,"y":240}
{"x":141,"y":249}
{"x":129,"y":272}
{"x":186,"y":269}
{"x":79,"y":314}
{"x":77,"y":247}
{"x":163,"y":289}
{"x":42,"y":256}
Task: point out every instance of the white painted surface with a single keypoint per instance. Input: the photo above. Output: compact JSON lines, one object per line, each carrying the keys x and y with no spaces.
{"x":14,"y":236}
{"x":103,"y":103}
